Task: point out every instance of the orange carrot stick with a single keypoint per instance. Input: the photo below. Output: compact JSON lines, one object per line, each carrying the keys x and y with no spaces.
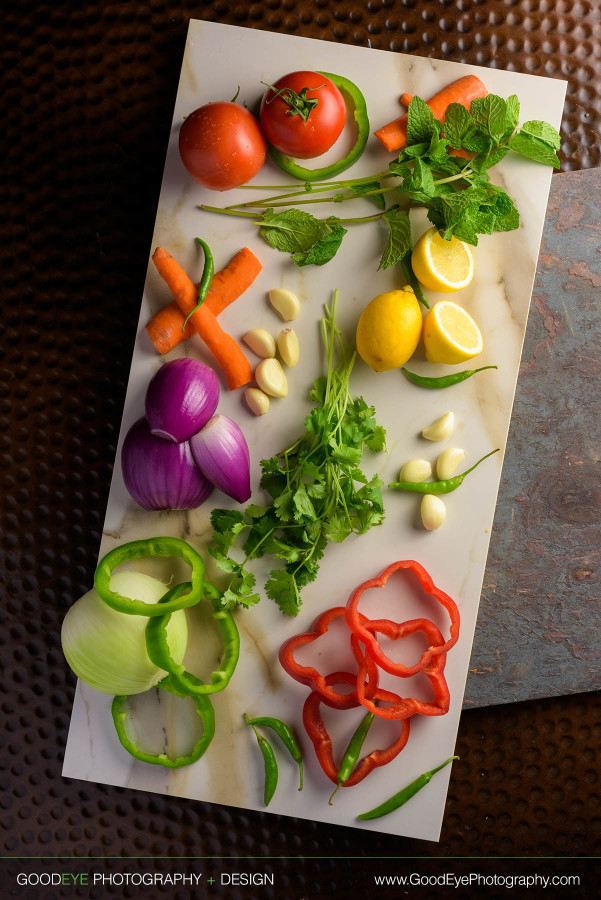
{"x":405,"y":99}
{"x":165,"y":328}
{"x":463,"y":91}
{"x":223,"y":347}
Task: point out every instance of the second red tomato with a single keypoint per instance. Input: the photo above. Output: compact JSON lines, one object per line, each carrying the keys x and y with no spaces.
{"x":303,"y":114}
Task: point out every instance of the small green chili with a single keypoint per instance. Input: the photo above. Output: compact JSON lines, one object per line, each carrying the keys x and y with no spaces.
{"x":437,"y":487}
{"x":353,"y":750}
{"x":405,"y":794}
{"x":445,"y":380}
{"x":205,"y":281}
{"x":286,"y":735}
{"x":270,"y":763}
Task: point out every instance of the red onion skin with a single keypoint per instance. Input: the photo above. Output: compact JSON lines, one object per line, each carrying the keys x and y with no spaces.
{"x":160,"y":474}
{"x":181,"y":398}
{"x":221,"y":454}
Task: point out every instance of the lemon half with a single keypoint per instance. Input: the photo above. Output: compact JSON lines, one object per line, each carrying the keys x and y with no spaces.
{"x":440,"y":265}
{"x":450,"y":335}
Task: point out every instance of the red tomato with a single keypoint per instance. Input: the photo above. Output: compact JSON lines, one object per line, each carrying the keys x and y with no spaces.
{"x":315,"y":127}
{"x":221,"y":145}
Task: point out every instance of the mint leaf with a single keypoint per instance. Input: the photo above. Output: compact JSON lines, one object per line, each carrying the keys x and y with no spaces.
{"x":543,"y":131}
{"x":421,"y":124}
{"x":513,"y":114}
{"x":490,"y":113}
{"x":476,"y":141}
{"x":399,"y":237}
{"x":457,"y":123}
{"x":291,"y":231}
{"x":361,"y":189}
{"x":323,"y":250}
{"x":420,"y":184}
{"x":533,"y":148}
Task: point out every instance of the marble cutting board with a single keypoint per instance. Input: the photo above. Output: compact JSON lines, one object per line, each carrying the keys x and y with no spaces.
{"x":231,"y":771}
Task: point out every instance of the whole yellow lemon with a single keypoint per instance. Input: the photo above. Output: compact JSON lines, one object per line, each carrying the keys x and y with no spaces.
{"x":389,"y":330}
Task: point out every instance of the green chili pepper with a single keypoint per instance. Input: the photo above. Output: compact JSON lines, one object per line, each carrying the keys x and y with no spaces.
{"x":406,"y":794}
{"x":270,"y":763}
{"x":205,"y":281}
{"x":412,"y":280}
{"x":205,"y":711}
{"x":437,"y":487}
{"x":158,"y":651}
{"x":326,"y":172}
{"x":352,"y":753}
{"x":286,"y":735}
{"x":151,"y":548}
{"x":445,"y":380}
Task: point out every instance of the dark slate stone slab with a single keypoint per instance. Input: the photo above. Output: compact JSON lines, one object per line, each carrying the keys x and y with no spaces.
{"x":539,"y":627}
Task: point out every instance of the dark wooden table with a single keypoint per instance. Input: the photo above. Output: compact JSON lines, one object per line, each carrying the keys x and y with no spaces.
{"x":88,"y":91}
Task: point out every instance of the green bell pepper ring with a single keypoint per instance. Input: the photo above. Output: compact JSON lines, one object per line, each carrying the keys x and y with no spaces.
{"x":151,"y":548}
{"x":204,"y":708}
{"x":326,"y":172}
{"x":159,"y":653}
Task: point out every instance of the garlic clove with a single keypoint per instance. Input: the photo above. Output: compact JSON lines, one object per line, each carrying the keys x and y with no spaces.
{"x":416,"y":470}
{"x":260,"y":342}
{"x":433,"y":512}
{"x":285,"y":302}
{"x":257,"y":401}
{"x":270,"y":377}
{"x":288,"y":346}
{"x":447,"y":462}
{"x":441,"y":429}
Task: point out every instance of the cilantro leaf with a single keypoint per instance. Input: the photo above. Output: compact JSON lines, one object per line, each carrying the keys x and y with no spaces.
{"x":282,"y":588}
{"x":291,"y":231}
{"x":399,"y":238}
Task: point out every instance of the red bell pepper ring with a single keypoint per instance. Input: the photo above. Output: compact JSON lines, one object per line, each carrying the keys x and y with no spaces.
{"x":359,"y":627}
{"x":322,"y":742}
{"x":315,"y":680}
{"x":403,"y":707}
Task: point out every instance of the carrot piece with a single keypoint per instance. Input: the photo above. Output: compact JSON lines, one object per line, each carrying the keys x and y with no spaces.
{"x":463,"y":91}
{"x":223,"y":347}
{"x":405,"y":99}
{"x":165,"y":328}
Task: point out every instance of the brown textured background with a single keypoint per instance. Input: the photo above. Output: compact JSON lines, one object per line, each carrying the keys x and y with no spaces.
{"x":88,"y":91}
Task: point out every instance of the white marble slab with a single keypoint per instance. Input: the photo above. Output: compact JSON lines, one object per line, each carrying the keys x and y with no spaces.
{"x":217,"y":59}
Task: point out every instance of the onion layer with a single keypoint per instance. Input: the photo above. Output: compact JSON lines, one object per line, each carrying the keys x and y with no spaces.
{"x":181,"y":398}
{"x":159,"y":474}
{"x":107,"y":649}
{"x":221,"y":453}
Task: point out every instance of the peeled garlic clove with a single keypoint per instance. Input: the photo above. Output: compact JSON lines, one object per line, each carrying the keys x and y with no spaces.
{"x":256,"y":400}
{"x":434,"y":512}
{"x":416,"y":470}
{"x":441,"y":429}
{"x":270,"y":377}
{"x":285,"y":302}
{"x":288,"y":346}
{"x":260,"y":342}
{"x":448,"y":461}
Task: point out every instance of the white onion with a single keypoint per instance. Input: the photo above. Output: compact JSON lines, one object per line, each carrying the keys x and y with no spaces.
{"x":107,"y":648}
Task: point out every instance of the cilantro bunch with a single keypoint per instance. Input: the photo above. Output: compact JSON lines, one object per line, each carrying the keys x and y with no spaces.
{"x":455,"y":189}
{"x":318,"y":491}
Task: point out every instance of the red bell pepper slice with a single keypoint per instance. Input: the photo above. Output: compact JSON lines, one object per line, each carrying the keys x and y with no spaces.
{"x":403,"y":707}
{"x":314,"y":679}
{"x":322,"y":742}
{"x":358,"y":624}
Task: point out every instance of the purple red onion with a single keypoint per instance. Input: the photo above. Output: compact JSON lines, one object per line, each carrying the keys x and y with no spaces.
{"x":181,"y":398}
{"x":221,"y":453}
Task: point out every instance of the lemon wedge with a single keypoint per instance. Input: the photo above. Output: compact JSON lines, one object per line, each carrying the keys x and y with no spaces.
{"x":450,"y":335}
{"x":440,"y":265}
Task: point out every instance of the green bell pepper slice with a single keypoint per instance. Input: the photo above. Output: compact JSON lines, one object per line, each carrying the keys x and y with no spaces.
{"x":159,"y":653}
{"x":326,"y":172}
{"x":204,"y":709}
{"x":151,"y":548}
